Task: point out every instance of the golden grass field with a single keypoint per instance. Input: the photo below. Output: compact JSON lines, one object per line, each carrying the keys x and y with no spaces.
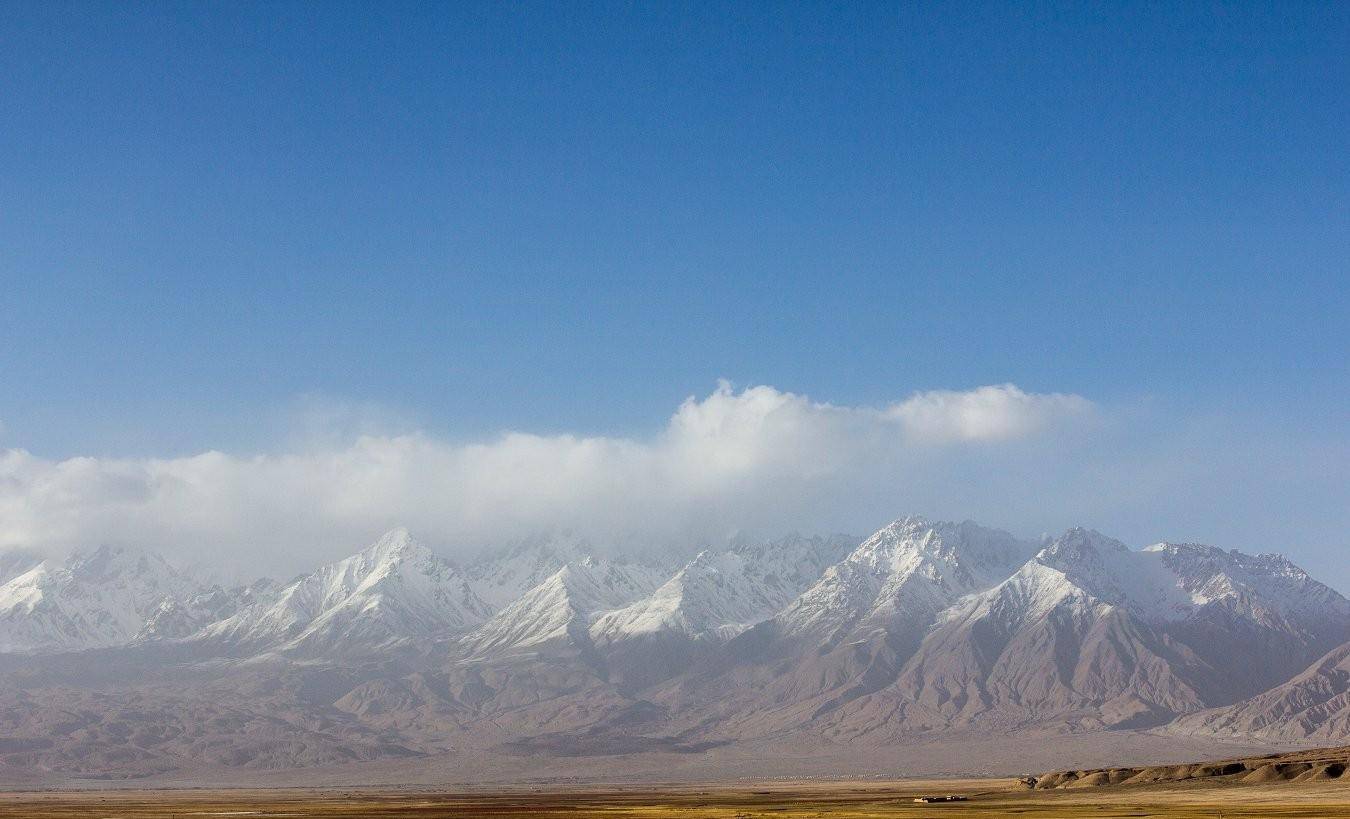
{"x":838,"y":800}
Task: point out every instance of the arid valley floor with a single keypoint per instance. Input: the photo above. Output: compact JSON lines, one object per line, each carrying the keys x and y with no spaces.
{"x":841,"y":800}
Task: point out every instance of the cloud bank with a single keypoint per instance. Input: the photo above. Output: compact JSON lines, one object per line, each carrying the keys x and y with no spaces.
{"x":755,"y":460}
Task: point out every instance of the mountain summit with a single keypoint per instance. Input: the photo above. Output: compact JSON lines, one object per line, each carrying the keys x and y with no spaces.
{"x":96,"y":599}
{"x":394,"y":591}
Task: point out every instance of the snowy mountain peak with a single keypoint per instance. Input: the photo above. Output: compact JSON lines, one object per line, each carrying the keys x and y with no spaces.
{"x":394,"y":552}
{"x":902,"y":576}
{"x":111,"y":562}
{"x":559,"y":610}
{"x":1085,"y":565}
{"x":711,"y":595}
{"x":99,"y":598}
{"x":592,"y":584}
{"x":719,"y":594}
{"x":395,"y":544}
{"x":499,"y":578}
{"x":1167,"y":581}
{"x":180,"y":617}
{"x":909,"y":524}
{"x":21,"y":594}
{"x":1268,"y":581}
{"x":964,"y":553}
{"x":1079,"y":545}
{"x":393,"y":591}
{"x":1110,"y":572}
{"x":909,"y":535}
{"x":15,"y":563}
{"x":1030,"y":593}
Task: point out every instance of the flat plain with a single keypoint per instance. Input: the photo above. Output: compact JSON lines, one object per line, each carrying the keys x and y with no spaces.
{"x":833,"y":800}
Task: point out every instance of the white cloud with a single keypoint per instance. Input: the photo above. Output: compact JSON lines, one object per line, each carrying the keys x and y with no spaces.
{"x":984,"y":414}
{"x":757,"y":459}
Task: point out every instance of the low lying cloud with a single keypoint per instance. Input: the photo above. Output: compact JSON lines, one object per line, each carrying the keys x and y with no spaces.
{"x":757,"y":459}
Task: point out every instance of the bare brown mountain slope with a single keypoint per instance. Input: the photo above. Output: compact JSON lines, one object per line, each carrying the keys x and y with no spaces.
{"x":1315,"y":705}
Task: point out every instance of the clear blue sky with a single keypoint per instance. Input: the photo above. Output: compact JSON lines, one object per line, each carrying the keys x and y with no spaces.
{"x":572,"y":216}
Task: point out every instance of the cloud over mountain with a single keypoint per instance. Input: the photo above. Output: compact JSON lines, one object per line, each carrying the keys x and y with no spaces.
{"x":733,"y":460}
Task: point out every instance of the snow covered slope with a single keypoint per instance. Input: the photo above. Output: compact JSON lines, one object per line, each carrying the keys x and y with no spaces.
{"x":1259,"y":616}
{"x":1174,"y":582}
{"x":713,"y":598}
{"x":394,"y":591}
{"x":1055,"y":641}
{"x":558,"y":612}
{"x":98,"y":599}
{"x":13,"y":564}
{"x":849,"y":633}
{"x":1091,"y":634}
{"x":500,"y":577}
{"x":1255,"y":620}
{"x":900,"y":578}
{"x":720,"y":594}
{"x":179,"y":617}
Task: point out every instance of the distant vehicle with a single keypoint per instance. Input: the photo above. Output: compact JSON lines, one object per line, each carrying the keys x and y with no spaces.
{"x":931,"y":799}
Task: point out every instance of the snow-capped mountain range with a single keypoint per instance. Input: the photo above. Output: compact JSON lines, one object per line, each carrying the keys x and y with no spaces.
{"x":921,"y":627}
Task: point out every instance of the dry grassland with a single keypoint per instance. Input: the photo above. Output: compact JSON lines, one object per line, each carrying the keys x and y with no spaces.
{"x":777,"y":801}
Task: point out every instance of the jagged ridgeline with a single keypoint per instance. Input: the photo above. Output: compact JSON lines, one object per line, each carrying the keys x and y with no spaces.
{"x":923,"y":629}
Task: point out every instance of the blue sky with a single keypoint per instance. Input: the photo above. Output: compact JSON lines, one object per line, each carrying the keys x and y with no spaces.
{"x":469,"y":218}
